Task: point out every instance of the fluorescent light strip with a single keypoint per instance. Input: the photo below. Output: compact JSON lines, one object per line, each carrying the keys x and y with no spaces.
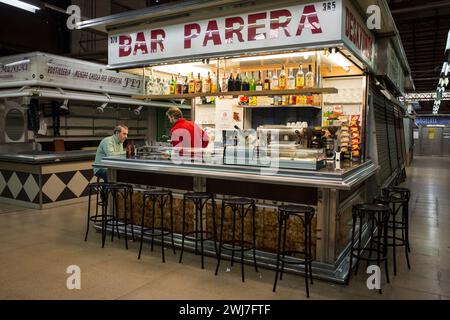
{"x":276,"y":56}
{"x":21,"y":5}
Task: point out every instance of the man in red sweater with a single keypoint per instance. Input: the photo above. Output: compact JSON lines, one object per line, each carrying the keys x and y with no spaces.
{"x":185,"y":134}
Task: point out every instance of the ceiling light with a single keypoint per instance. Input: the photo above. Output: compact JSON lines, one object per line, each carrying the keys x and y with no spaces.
{"x":138,"y":110}
{"x":16,"y":62}
{"x":64,"y":105}
{"x":21,"y":5}
{"x":274,"y":56}
{"x":340,"y":60}
{"x":101,"y":109}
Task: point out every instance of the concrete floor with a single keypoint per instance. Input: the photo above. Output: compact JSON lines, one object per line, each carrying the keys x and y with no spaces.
{"x":36,"y":247}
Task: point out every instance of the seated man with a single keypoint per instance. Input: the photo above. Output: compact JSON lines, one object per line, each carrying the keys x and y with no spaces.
{"x":110,"y":146}
{"x":185,"y":134}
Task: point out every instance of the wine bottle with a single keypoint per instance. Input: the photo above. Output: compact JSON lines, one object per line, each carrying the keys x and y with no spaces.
{"x":309,"y":79}
{"x":245,"y":83}
{"x":238,"y":82}
{"x":198,"y":84}
{"x":275,"y":81}
{"x":300,"y":78}
{"x":259,"y":84}
{"x":282,"y":80}
{"x":252,"y":83}
{"x":231,"y":82}
{"x":291,"y":79}
{"x":267,"y":80}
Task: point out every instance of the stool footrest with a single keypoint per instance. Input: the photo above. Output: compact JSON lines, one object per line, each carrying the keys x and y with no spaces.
{"x":290,"y":259}
{"x":399,"y":242}
{"x":156,"y":232}
{"x":354,"y":254}
{"x":209,"y":235}
{"x":238,"y":245}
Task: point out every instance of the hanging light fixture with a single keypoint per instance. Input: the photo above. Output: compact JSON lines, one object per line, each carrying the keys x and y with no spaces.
{"x":21,"y":5}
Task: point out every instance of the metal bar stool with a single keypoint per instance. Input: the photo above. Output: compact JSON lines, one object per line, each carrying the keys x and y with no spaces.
{"x":239,"y":207}
{"x":397,"y":204}
{"x":126,"y":192}
{"x":160,"y":197}
{"x":97,"y":188}
{"x":198,"y":234}
{"x":305,"y":214}
{"x":378,"y":215}
{"x":406,"y":194}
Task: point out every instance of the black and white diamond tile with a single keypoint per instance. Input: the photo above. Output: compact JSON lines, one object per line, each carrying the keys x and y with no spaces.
{"x":66,"y":185}
{"x":55,"y":187}
{"x":19,"y":186}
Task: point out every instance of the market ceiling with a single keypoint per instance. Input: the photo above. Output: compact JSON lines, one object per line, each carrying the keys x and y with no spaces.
{"x":423,"y":28}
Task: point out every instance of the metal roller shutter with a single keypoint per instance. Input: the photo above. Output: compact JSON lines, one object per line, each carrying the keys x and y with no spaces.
{"x":382,"y":136}
{"x":390,"y":121}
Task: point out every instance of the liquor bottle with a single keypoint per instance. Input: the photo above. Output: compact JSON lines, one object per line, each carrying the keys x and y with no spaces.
{"x":173,"y":86}
{"x":198,"y":84}
{"x":238,"y":81}
{"x":179,"y":85}
{"x":300,"y":78}
{"x":166,"y":86}
{"x":208,"y":84}
{"x":214,"y":84}
{"x":231,"y":82}
{"x":259,"y":84}
{"x":245,"y":83}
{"x":291,"y":79}
{"x":267,"y":80}
{"x":224,"y":86}
{"x":191,"y":83}
{"x":275,"y":81}
{"x":282,"y":80}
{"x":252,"y":83}
{"x":186,"y":85}
{"x":309,"y":79}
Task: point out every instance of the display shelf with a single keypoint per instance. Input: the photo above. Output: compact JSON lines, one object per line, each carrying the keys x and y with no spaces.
{"x":239,"y":93}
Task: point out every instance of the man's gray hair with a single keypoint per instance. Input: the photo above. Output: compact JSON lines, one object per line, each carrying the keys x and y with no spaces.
{"x":119,"y":128}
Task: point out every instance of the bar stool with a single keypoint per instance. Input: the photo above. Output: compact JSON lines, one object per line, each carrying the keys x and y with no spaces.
{"x":126,"y":192}
{"x":160,"y":197}
{"x":402,"y":193}
{"x":398,"y":205}
{"x":305,"y":215}
{"x":378,"y":215}
{"x":198,"y":234}
{"x":239,"y":207}
{"x":97,"y":188}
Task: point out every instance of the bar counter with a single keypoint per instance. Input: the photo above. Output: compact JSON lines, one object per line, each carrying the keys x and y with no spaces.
{"x":43,"y":179}
{"x":332,"y":192}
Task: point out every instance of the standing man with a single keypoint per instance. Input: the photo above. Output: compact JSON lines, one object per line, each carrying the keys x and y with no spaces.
{"x":110,"y":146}
{"x":185,"y":134}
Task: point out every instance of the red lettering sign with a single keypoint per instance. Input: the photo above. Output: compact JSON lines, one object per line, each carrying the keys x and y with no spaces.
{"x":212,"y":33}
{"x":140,"y":44}
{"x":275,"y":24}
{"x":252,"y":26}
{"x":310,"y":14}
{"x":230,"y":30}
{"x":124,"y":46}
{"x":155,"y":40}
{"x":188,"y":36}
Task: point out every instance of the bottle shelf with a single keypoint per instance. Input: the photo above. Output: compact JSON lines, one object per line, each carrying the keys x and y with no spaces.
{"x":281,"y":106}
{"x":239,"y":93}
